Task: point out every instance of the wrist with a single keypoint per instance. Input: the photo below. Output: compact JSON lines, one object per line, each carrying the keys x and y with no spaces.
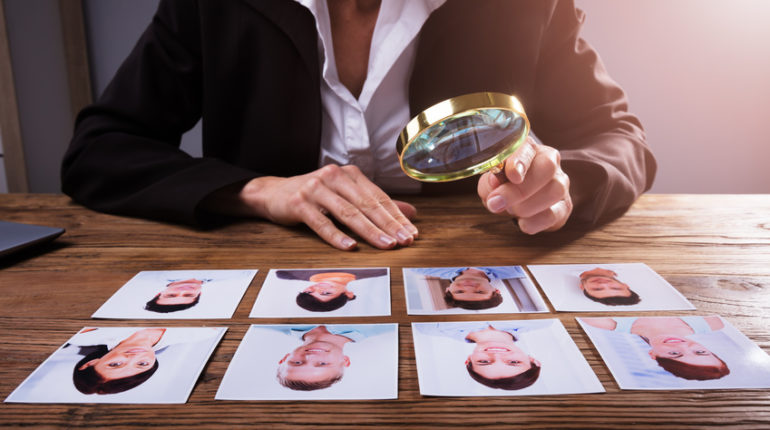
{"x":241,"y":199}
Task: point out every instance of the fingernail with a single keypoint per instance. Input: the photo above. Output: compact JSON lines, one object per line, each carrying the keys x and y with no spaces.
{"x":496,"y":203}
{"x":403,"y":235}
{"x":387,"y":240}
{"x":348,"y":242}
{"x":521,"y":169}
{"x":412,"y":229}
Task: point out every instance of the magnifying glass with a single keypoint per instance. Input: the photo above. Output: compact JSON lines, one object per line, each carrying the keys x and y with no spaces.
{"x":462,"y":136}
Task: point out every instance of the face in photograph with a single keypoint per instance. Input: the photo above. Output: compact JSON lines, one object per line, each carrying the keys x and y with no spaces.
{"x":603,"y":286}
{"x":497,"y":362}
{"x":671,"y":347}
{"x":472,"y":289}
{"x":177,"y":296}
{"x":328,"y":292}
{"x":316,"y":364}
{"x":126,"y":366}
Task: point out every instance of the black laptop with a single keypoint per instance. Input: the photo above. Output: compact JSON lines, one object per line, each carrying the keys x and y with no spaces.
{"x":15,"y":236}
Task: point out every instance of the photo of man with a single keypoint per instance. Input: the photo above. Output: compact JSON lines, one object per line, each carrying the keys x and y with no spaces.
{"x":482,"y":289}
{"x":607,"y":287}
{"x":603,"y":286}
{"x":317,"y":361}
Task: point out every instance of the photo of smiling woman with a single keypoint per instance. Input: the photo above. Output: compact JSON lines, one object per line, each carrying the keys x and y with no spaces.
{"x":670,"y":345}
{"x":122,"y":365}
{"x":499,"y":358}
{"x":178,"y":294}
{"x":331,"y":292}
{"x":677,"y":352}
{"x":120,"y":368}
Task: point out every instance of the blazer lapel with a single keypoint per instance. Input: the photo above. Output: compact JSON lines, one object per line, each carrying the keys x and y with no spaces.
{"x":299,"y":25}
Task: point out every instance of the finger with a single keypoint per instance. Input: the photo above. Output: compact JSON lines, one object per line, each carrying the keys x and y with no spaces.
{"x":518,"y":164}
{"x":314,"y":218}
{"x":542,"y":170}
{"x":550,"y":219}
{"x":557,"y":189}
{"x":375,"y":205}
{"x":351,"y":216}
{"x":485,"y":185}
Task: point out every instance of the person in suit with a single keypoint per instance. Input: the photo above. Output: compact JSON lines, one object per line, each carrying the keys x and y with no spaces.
{"x":301,"y":102}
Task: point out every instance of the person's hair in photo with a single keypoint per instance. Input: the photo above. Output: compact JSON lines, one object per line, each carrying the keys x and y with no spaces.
{"x":494,"y":299}
{"x":514,"y":382}
{"x":329,"y":292}
{"x":154,"y":306}
{"x":617,"y":300}
{"x":317,"y":363}
{"x":301,"y":385}
{"x":691,"y":371}
{"x":308,"y":302}
{"x":522,"y":380}
{"x":178,"y":295}
{"x":88,"y":381}
{"x":625,"y":296}
{"x":473,"y":305}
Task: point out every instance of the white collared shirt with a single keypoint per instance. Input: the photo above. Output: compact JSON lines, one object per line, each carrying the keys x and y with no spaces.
{"x":363,"y":131}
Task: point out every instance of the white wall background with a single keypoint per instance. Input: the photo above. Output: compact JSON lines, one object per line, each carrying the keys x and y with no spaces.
{"x":697,"y":73}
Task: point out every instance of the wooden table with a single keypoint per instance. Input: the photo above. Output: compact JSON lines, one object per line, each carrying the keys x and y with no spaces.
{"x":714,"y":249}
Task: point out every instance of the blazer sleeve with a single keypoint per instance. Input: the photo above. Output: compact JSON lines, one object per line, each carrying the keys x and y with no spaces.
{"x":577,"y":108}
{"x":124,"y":156}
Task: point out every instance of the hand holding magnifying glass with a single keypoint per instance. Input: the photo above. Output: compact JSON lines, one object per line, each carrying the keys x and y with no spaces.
{"x":488,"y":132}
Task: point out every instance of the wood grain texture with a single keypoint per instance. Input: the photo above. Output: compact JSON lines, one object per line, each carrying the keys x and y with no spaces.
{"x":714,"y":249}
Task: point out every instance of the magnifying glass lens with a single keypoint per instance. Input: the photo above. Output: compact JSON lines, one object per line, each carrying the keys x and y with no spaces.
{"x":468,"y":141}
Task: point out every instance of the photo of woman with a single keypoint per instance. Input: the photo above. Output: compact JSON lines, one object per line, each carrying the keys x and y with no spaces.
{"x":122,"y":365}
{"x":680,"y":352}
{"x":178,"y":294}
{"x":324,"y":292}
{"x":500,"y":358}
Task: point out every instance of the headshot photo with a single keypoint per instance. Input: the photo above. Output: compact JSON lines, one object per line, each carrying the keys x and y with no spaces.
{"x":607,"y":287}
{"x":469,"y":290}
{"x":178,"y":294}
{"x":500,"y":358}
{"x":122,"y":365}
{"x":680,"y":352}
{"x":324,"y":292}
{"x":313,"y":362}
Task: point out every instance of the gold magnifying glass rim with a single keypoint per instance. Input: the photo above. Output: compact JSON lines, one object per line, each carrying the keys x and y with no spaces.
{"x":448,"y":108}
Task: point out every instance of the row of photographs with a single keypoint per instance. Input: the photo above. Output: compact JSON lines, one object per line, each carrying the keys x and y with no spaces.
{"x":366,"y":292}
{"x":360,"y":361}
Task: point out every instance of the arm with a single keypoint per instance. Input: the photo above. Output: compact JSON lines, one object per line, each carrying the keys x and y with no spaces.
{"x":260,"y":151}
{"x":594,"y":158}
{"x":124,"y":156}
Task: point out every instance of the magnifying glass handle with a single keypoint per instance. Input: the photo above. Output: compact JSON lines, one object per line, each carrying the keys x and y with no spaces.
{"x":499,"y":172}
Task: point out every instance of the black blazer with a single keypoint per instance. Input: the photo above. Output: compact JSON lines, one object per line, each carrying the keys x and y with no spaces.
{"x":250,"y":70}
